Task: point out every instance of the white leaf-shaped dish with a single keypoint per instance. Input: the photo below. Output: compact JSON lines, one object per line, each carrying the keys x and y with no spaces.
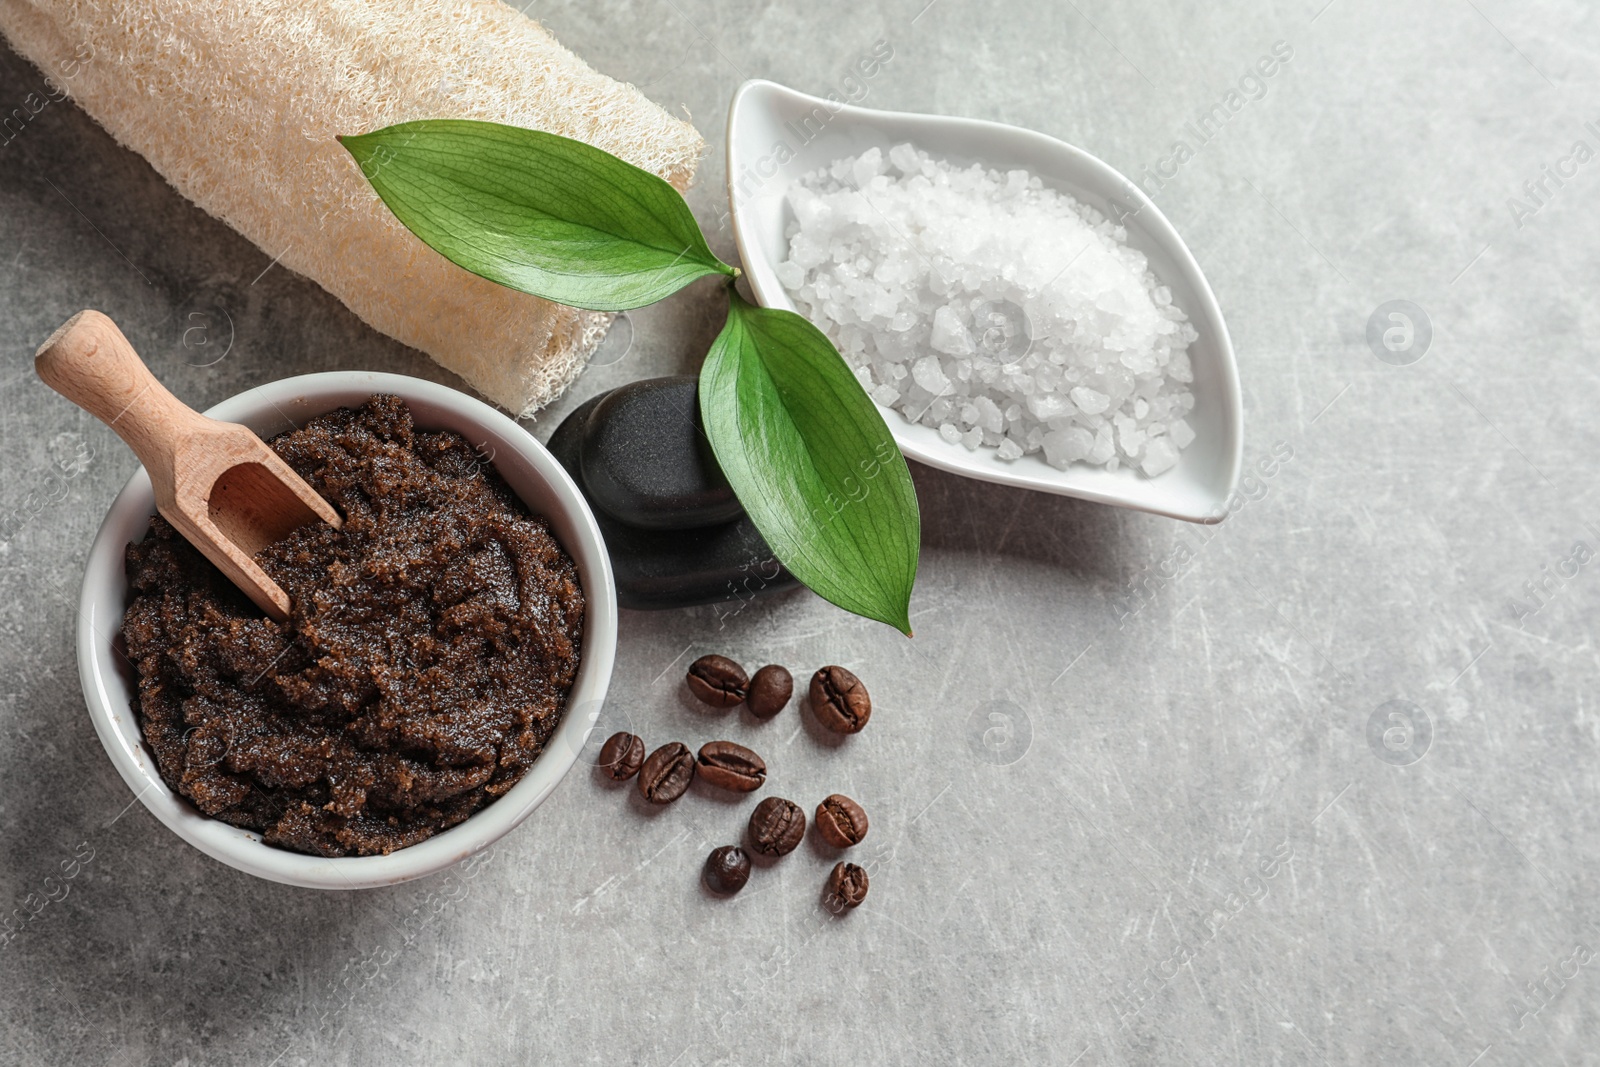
{"x":776,"y":135}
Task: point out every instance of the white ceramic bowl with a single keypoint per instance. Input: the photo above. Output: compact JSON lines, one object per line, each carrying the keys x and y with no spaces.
{"x":813,"y":132}
{"x":532,"y":473}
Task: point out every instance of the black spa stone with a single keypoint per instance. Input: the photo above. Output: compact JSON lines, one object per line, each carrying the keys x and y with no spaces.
{"x":723,"y":561}
{"x":646,"y":463}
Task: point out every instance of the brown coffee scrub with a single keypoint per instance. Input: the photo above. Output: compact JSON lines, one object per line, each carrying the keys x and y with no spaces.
{"x":425,"y":665}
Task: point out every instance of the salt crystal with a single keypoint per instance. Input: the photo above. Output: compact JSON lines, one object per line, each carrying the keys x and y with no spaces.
{"x":1089,"y":401}
{"x":866,"y":166}
{"x":1079,"y":443}
{"x":1102,"y":449}
{"x":950,"y":334}
{"x":1160,"y":455}
{"x":988,"y":413}
{"x":1058,"y":448}
{"x":1045,"y":406}
{"x":1179,"y":370}
{"x":927,"y":373}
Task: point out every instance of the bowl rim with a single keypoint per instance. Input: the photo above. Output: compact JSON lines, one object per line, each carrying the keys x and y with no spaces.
{"x":102,"y":602}
{"x":1078,"y":480}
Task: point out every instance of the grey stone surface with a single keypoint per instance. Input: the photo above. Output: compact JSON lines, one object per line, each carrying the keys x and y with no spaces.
{"x":1127,"y":807}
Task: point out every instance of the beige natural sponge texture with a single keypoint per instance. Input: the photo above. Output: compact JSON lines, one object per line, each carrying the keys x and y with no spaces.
{"x":237,"y":104}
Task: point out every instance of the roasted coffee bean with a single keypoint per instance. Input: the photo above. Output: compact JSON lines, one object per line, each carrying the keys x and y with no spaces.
{"x":727,"y":870}
{"x":847,"y":887}
{"x":667,"y":773}
{"x":840,"y":700}
{"x":841,"y":821}
{"x":770,"y":691}
{"x":718,"y":681}
{"x":730,"y":766}
{"x":776,"y":826}
{"x":622,"y":755}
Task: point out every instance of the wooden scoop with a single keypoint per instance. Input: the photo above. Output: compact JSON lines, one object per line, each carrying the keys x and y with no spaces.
{"x":217,"y":483}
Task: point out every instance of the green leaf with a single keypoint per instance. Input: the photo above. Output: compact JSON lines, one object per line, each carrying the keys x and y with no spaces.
{"x":811,"y":460}
{"x":537,"y":212}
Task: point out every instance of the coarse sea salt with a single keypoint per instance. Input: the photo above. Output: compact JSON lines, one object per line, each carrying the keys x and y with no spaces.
{"x":999,"y":312}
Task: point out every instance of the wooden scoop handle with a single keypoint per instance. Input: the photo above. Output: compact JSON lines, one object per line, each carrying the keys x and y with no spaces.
{"x":91,"y":363}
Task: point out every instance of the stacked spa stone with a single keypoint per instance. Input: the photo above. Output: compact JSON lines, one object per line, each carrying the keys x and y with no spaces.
{"x":676,"y":534}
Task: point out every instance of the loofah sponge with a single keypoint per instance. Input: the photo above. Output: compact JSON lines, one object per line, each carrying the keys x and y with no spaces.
{"x":237,"y":103}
